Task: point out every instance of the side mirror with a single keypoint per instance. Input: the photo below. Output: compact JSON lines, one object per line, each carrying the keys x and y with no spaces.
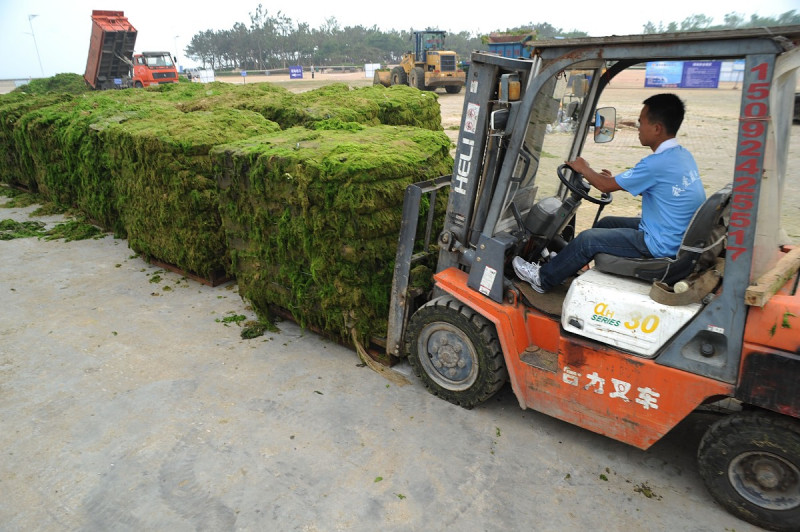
{"x":605,"y":122}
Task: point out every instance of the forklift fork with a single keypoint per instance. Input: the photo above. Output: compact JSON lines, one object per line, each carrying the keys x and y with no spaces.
{"x":406,"y":258}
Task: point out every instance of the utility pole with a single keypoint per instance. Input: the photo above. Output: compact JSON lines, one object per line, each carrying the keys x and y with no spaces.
{"x":30,"y":18}
{"x":176,"y":51}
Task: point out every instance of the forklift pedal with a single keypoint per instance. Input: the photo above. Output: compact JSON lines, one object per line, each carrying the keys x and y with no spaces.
{"x":549,"y":303}
{"x":539,"y":358}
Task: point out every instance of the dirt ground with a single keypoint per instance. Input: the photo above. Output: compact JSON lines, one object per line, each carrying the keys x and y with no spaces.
{"x":127,"y":403}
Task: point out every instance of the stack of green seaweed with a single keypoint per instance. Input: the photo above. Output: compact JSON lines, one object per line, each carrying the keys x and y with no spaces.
{"x":313,"y":218}
{"x":16,"y":166}
{"x":134,"y":163}
{"x":312,"y":194}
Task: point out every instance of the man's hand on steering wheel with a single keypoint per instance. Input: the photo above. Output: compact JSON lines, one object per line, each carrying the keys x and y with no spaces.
{"x":578,"y":185}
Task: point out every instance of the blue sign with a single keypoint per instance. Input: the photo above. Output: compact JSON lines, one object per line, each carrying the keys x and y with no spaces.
{"x":663,"y":74}
{"x":295,"y":72}
{"x":683,"y":74}
{"x":701,"y":74}
{"x":244,"y":73}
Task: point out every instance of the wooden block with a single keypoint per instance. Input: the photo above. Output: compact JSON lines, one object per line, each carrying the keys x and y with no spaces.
{"x":768,"y":284}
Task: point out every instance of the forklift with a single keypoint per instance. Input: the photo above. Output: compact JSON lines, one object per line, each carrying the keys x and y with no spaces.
{"x":629,"y":347}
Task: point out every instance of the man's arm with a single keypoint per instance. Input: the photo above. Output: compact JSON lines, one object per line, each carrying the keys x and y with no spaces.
{"x":603,"y":181}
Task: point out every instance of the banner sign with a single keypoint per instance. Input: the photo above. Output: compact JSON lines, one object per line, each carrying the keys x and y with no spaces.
{"x":701,"y":74}
{"x":663,"y":74}
{"x":295,"y":72}
{"x":683,"y":74}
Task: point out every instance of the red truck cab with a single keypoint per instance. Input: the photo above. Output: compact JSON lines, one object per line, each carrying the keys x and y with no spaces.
{"x":153,"y":68}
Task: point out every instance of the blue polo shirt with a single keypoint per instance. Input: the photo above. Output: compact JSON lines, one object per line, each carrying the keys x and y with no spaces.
{"x":671,"y":190}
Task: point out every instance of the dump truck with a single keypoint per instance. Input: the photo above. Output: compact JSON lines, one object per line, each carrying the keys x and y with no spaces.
{"x":111,"y":63}
{"x":511,"y":44}
{"x":153,"y":68}
{"x":428,"y":67}
{"x":630,"y":347}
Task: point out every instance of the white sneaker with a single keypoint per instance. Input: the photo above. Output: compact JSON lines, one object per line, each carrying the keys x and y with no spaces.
{"x":528,"y":271}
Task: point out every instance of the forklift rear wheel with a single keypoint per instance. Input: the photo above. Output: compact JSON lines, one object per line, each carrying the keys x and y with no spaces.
{"x":750,"y":462}
{"x":455,"y":351}
{"x":453,"y":89}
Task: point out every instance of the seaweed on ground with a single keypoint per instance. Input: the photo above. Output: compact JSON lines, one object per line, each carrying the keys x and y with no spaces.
{"x":68,"y":231}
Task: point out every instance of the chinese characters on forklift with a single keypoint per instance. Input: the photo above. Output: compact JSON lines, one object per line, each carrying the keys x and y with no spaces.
{"x":605,"y":120}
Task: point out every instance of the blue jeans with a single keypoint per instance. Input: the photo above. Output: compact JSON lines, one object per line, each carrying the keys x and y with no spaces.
{"x":615,"y":235}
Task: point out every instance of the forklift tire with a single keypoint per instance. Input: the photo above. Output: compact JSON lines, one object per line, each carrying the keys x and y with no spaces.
{"x":453,"y":89}
{"x":455,"y":351}
{"x":750,"y":463}
{"x":138,"y":85}
{"x":398,"y":76}
{"x":417,"y":78}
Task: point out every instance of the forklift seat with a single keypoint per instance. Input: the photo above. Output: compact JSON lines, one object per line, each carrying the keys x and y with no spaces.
{"x":702,"y":243}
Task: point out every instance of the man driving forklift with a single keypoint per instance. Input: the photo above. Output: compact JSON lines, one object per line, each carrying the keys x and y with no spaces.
{"x":669,"y":183}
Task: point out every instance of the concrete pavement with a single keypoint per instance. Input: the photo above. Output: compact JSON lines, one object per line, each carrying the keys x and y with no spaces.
{"x":126,"y":403}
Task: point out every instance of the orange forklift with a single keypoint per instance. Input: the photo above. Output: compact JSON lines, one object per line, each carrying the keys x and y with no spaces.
{"x":630,"y":347}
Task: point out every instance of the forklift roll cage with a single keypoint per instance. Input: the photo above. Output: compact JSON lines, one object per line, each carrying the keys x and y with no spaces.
{"x":470,"y":240}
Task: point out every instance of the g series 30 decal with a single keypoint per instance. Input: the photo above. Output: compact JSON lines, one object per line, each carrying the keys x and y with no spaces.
{"x":604,"y":314}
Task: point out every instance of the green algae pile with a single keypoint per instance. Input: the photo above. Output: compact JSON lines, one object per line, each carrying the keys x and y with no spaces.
{"x":312,"y":218}
{"x":59,"y":84}
{"x":297,"y":196}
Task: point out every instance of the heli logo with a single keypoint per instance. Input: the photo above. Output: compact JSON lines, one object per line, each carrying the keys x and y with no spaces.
{"x":464,"y":166}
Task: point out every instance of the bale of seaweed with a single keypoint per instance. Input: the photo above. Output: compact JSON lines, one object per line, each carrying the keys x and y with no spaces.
{"x":163,"y":186}
{"x":312,"y":219}
{"x":71,"y":161}
{"x":271,"y":101}
{"x":17,"y":168}
{"x":399,"y":105}
{"x":136,"y":161}
{"x":66,"y":83}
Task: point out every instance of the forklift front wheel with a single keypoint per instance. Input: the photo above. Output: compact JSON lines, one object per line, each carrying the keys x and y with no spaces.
{"x":455,"y":351}
{"x":750,"y":462}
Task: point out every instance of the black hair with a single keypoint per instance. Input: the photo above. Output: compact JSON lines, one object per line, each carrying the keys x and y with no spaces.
{"x":667,"y":110}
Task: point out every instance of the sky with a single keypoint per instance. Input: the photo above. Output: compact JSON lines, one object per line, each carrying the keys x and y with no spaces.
{"x":56,"y":40}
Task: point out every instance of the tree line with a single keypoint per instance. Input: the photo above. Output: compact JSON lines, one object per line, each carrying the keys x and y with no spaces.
{"x":276,"y":41}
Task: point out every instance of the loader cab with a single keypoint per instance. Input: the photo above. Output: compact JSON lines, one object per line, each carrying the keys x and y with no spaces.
{"x":427,"y":41}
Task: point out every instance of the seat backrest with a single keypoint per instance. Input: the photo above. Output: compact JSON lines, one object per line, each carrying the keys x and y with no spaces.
{"x":705,"y":236}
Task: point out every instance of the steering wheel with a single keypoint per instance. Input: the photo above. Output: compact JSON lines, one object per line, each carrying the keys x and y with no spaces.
{"x":581,"y":191}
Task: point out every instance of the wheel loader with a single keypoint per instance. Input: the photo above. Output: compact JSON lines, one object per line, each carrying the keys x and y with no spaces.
{"x":629,"y":347}
{"x":428,"y":67}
